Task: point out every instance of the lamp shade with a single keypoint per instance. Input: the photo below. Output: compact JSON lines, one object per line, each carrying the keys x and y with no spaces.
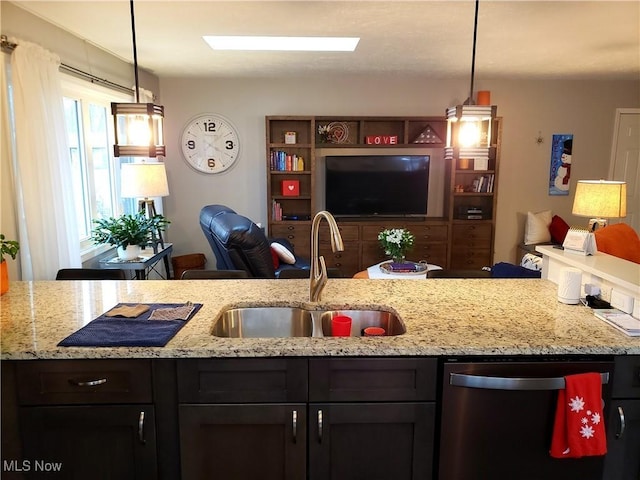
{"x":600,"y":198}
{"x":143,"y":180}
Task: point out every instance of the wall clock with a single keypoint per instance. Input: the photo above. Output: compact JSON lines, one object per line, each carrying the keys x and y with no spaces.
{"x":210,"y":143}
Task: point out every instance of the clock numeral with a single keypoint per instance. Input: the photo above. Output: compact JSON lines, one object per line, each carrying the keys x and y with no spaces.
{"x":229,"y":145}
{"x":210,"y":127}
{"x":191,"y":145}
{"x":211,"y":163}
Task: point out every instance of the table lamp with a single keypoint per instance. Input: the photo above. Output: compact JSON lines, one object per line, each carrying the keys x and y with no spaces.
{"x":600,"y":199}
{"x":144,"y":181}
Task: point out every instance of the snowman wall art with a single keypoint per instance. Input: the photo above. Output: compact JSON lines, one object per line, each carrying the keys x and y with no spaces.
{"x":560,"y":171}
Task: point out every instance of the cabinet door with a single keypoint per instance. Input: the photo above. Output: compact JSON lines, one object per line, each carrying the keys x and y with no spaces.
{"x":371,"y":441}
{"x":243,"y":442}
{"x":96,"y":442}
{"x":623,"y":458}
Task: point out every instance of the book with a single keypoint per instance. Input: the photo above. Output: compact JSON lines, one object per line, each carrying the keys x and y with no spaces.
{"x":624,"y":322}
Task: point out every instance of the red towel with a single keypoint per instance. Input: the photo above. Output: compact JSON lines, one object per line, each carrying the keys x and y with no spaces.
{"x":578,"y":430}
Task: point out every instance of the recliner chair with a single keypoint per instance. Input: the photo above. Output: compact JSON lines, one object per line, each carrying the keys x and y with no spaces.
{"x":239,"y":244}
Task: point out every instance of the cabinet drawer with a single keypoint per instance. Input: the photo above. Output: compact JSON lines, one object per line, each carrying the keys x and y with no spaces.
{"x":430,"y":233}
{"x":347,"y":232}
{"x":370,"y":232}
{"x":298,"y":235}
{"x":48,"y":382}
{"x":463,"y":233}
{"x":626,"y":382}
{"x":372,"y":379}
{"x":243,"y":380}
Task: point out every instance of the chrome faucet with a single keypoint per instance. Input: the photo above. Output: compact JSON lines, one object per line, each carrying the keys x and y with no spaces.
{"x":318,"y":275}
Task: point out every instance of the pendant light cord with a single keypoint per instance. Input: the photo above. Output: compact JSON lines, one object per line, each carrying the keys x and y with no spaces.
{"x":135,"y":52}
{"x":473,"y":55}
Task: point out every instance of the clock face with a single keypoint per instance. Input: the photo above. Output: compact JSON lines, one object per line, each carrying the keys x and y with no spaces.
{"x":210,"y":143}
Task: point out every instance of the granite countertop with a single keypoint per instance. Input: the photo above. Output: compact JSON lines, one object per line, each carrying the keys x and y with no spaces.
{"x":442,"y":317}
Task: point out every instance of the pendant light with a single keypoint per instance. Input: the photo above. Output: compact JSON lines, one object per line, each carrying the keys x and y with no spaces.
{"x":473,"y":133}
{"x":138,"y":126}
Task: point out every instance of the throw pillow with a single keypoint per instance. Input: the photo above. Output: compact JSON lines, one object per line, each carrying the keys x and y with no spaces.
{"x":284,"y":254}
{"x":619,"y":240}
{"x":536,"y":229}
{"x":558,"y":229}
{"x":275,"y":258}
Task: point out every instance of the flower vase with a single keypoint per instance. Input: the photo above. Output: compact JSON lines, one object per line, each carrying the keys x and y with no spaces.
{"x":130,"y":253}
{"x":398,"y":259}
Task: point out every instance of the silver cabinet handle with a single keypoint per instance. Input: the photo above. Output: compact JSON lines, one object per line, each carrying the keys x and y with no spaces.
{"x":294,"y":423}
{"x":89,"y":383}
{"x":319,"y":426}
{"x":511,"y":383}
{"x":622,"y":423}
{"x":141,"y":428}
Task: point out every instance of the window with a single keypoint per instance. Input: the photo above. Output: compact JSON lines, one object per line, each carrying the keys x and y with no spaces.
{"x":96,"y":172}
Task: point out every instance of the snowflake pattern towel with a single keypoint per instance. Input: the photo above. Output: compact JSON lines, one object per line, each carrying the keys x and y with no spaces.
{"x":578,"y":430}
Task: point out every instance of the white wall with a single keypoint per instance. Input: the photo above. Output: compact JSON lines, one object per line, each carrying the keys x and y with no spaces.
{"x":584,"y":108}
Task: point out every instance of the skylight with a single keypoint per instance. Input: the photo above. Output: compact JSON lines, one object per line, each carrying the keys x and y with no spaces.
{"x":307,"y":44}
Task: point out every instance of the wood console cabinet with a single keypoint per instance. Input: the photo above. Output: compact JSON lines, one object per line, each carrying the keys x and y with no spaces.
{"x":458,"y":239}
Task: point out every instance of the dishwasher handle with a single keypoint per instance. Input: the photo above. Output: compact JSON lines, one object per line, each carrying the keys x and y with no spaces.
{"x":511,"y":383}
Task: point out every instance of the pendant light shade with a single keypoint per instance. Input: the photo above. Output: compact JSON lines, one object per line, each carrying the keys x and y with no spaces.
{"x":473,"y":121}
{"x":138,"y":129}
{"x":138,"y":126}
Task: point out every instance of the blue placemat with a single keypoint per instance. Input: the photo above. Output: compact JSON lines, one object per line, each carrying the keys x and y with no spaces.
{"x":128,"y":332}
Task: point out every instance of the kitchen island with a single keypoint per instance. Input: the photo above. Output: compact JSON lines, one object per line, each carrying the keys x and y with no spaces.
{"x":442,"y":317}
{"x":298,"y":404}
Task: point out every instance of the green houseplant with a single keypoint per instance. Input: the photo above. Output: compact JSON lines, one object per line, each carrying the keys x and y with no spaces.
{"x":10,"y":248}
{"x":128,"y":230}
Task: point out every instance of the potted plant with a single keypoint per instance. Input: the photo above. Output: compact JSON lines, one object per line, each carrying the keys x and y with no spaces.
{"x":7,"y":247}
{"x":396,"y":242}
{"x":128,"y":232}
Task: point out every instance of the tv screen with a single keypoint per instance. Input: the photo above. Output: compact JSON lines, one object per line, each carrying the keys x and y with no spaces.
{"x":377,"y":185}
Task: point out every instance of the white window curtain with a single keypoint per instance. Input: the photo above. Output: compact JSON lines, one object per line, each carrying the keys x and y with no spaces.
{"x":43,"y":196}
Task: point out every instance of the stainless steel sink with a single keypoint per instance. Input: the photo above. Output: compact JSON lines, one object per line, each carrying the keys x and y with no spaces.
{"x":361,"y":319}
{"x":283,"y":322}
{"x":264,"y":322}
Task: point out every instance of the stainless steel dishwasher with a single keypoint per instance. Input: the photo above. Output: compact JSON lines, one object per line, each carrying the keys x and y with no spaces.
{"x":497,"y":420}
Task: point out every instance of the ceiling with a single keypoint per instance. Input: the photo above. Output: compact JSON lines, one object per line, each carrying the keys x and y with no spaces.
{"x":516,"y":39}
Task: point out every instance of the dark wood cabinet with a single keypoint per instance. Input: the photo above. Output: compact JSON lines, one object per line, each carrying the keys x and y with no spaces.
{"x":376,"y":419}
{"x":371,"y":440}
{"x":243,"y":418}
{"x":247,"y":418}
{"x":92,"y":441}
{"x":84,"y":419}
{"x":248,"y":441}
{"x":623,"y":427}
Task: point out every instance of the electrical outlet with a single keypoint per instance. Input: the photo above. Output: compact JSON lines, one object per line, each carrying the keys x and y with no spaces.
{"x":605,"y":293}
{"x":621,"y":301}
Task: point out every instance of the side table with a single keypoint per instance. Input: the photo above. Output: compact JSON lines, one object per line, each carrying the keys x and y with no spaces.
{"x":144,"y":264}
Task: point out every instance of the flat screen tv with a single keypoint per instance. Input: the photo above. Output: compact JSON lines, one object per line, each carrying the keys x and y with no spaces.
{"x":377,"y":185}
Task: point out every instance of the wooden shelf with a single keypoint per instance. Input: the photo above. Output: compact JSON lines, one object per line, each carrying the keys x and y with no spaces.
{"x":361,"y":246}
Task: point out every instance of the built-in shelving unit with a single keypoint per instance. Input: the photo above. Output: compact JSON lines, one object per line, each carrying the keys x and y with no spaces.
{"x":451,"y":241}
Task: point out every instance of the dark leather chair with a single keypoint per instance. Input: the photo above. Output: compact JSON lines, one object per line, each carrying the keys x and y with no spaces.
{"x":90,"y":274}
{"x":239,"y":244}
{"x":197,"y":274}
